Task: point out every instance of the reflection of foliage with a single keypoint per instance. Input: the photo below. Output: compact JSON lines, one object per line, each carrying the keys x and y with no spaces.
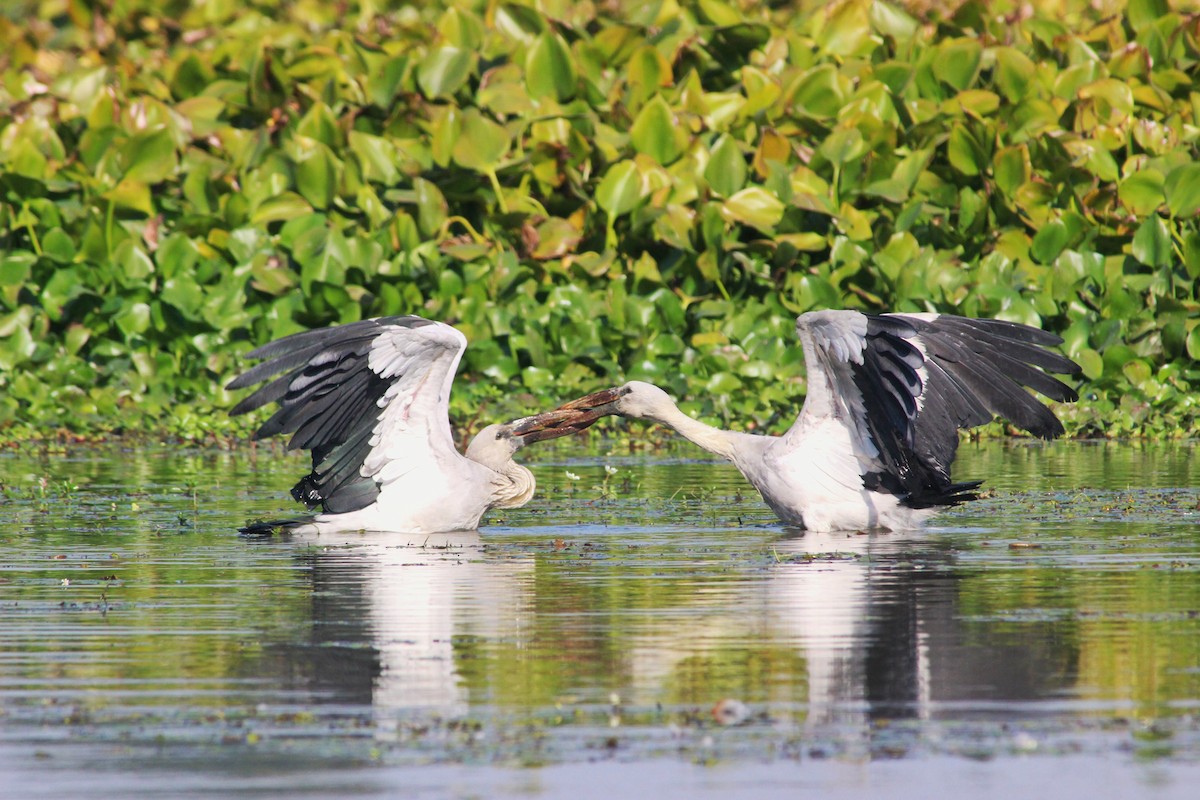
{"x":771,"y":674}
{"x":650,"y":194}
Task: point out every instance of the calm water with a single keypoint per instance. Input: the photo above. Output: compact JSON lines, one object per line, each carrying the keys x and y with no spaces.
{"x":1048,"y":634}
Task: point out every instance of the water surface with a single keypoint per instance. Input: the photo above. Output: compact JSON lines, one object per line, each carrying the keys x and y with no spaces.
{"x":1048,"y":628}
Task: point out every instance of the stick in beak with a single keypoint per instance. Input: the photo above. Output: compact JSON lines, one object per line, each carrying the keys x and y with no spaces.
{"x":568,"y":418}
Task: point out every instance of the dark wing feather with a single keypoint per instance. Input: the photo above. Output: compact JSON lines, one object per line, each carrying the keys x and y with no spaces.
{"x":331,"y":400}
{"x":916,"y":380}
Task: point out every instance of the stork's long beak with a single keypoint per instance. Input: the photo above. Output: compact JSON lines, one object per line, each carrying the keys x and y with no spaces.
{"x":568,"y":418}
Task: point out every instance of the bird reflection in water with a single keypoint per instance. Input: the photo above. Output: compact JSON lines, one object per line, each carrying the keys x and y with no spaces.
{"x":445,"y":626}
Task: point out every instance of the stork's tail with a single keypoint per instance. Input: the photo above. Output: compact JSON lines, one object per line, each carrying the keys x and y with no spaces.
{"x":952,"y":495}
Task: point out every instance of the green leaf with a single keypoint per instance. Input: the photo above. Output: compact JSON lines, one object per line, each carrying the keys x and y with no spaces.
{"x":182,"y":293}
{"x":964,"y":152}
{"x":891,"y":20}
{"x":761,"y":91}
{"x":1050,"y":240}
{"x":755,"y":206}
{"x":726,"y":168}
{"x":1191,"y":254}
{"x":16,"y":267}
{"x":549,"y":68}
{"x":288,"y":205}
{"x":854,"y":223}
{"x":320,"y":124}
{"x":1152,"y":243}
{"x":655,"y":132}
{"x":847,"y":29}
{"x":432,"y":209}
{"x":445,"y":131}
{"x":377,"y":157}
{"x":957,"y":62}
{"x":443,"y":71}
{"x":1111,"y":99}
{"x":133,"y":318}
{"x":1090,"y":362}
{"x":17,"y":344}
{"x":150,"y":157}
{"x":1193,"y":343}
{"x":1182,"y":190}
{"x":1142,"y":192}
{"x":647,"y":72}
{"x":1011,"y":168}
{"x":481,"y":143}
{"x":621,"y":189}
{"x":63,"y":286}
{"x":316,"y":172}
{"x":25,"y":158}
{"x":843,"y":146}
{"x":1144,"y":13}
{"x":974,"y":102}
{"x":133,"y":195}
{"x":819,"y":92}
{"x":719,"y":13}
{"x":58,"y":246}
{"x":461,"y":28}
{"x":1013,"y":74}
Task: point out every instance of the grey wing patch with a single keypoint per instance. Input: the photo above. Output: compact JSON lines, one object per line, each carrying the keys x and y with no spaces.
{"x":330,"y":401}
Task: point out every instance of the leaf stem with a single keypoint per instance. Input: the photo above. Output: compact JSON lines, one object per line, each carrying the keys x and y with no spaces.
{"x":491,"y":173}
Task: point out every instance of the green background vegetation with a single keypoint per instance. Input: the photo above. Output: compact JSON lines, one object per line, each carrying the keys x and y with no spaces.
{"x":591,"y":192}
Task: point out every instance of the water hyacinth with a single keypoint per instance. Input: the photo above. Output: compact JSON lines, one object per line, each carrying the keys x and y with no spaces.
{"x":604,"y":194}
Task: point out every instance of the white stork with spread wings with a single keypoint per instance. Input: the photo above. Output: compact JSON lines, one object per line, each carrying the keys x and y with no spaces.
{"x":370,"y":399}
{"x":887,"y":395}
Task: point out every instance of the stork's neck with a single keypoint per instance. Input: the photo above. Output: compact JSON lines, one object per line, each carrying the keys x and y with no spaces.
{"x":513,"y":487}
{"x":727,"y":444}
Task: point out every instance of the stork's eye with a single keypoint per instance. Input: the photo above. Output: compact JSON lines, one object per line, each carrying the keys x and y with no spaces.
{"x":499,"y":434}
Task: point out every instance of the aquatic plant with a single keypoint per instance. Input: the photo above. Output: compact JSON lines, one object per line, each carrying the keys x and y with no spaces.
{"x":592,"y":193}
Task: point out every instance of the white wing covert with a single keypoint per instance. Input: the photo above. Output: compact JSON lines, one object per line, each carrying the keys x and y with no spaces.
{"x":355,"y":395}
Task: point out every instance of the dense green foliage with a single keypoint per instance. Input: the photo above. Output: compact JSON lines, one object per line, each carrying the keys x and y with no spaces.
{"x":590,"y":192}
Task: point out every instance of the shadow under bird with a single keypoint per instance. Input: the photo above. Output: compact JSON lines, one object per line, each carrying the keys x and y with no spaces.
{"x":887,"y":395}
{"x":370,"y":400}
